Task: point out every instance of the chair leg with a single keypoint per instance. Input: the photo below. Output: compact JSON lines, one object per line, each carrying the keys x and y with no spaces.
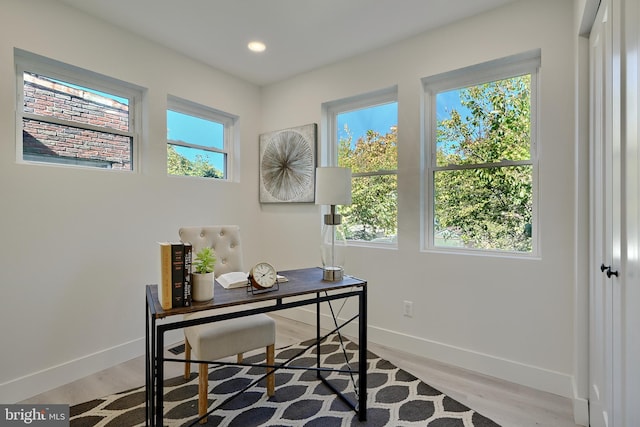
{"x":187,"y":355}
{"x":203,"y":391}
{"x":271,"y":378}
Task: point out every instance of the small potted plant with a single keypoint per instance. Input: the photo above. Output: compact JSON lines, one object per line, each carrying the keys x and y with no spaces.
{"x":203,"y":277}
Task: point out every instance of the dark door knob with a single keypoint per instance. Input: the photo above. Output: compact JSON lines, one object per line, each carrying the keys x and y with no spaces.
{"x":607,"y":268}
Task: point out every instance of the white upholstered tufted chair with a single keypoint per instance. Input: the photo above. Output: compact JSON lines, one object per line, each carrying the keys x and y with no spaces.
{"x":217,"y":340}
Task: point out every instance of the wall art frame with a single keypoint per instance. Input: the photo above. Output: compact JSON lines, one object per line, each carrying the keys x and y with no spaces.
{"x":288,"y":165}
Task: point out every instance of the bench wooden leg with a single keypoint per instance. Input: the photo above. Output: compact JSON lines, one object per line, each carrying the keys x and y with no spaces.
{"x":203,"y":391}
{"x":271,"y":378}
{"x":187,"y":355}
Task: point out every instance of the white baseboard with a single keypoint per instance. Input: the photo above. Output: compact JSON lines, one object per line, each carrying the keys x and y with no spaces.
{"x":508,"y":370}
{"x":581,"y":411}
{"x":35,"y":383}
{"x":558,"y":383}
{"x":531,"y":376}
{"x":580,"y":407}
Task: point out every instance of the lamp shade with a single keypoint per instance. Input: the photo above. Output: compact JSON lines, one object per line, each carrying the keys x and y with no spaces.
{"x":333,"y":186}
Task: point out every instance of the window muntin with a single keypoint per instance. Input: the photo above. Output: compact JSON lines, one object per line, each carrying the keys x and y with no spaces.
{"x":198,"y":140}
{"x":482,"y":161}
{"x":70,"y":116}
{"x":364,"y":137}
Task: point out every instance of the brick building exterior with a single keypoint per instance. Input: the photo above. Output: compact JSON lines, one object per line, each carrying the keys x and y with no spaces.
{"x":60,"y":142}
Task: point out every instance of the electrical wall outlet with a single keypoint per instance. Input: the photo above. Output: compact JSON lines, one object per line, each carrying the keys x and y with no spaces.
{"x":407,"y":308}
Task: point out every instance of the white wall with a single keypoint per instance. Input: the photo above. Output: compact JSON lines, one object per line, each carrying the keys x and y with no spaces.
{"x":79,"y":245}
{"x":78,"y":307}
{"x":508,"y":317}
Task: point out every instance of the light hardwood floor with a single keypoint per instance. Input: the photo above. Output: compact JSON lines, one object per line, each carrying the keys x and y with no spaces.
{"x":508,"y":404}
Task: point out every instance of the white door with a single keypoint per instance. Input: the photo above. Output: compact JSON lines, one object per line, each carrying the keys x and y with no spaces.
{"x":605,"y":358}
{"x":629,"y":280}
{"x":601,"y":185}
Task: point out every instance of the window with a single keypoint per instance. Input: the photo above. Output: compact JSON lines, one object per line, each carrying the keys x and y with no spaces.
{"x":66,"y":115}
{"x":481,"y":164}
{"x":198,"y":140}
{"x":363,"y":136}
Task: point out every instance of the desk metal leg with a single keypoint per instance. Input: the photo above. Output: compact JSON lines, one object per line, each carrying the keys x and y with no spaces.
{"x":362,"y":346}
{"x":147,"y":367}
{"x":361,"y":406}
{"x":150,"y":367}
{"x":159,"y":377}
{"x":318,"y":336}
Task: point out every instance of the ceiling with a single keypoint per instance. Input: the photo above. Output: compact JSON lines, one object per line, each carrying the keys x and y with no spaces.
{"x":300,"y":34}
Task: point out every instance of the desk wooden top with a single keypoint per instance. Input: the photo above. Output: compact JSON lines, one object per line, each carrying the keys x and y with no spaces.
{"x":300,"y":282}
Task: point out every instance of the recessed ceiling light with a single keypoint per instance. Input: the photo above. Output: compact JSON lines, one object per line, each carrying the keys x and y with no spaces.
{"x":256,"y":46}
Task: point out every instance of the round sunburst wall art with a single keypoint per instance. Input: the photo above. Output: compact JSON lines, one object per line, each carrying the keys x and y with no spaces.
{"x":287,"y":165}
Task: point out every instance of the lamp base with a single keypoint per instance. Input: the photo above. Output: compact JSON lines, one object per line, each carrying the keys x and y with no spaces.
{"x":332,"y":274}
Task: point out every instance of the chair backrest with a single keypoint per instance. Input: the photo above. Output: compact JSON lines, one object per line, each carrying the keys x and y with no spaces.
{"x":225,"y":241}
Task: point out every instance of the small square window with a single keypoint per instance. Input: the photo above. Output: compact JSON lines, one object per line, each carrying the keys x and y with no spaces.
{"x":198,"y":140}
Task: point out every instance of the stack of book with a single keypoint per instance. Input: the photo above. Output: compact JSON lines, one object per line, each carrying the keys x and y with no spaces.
{"x":175,"y":275}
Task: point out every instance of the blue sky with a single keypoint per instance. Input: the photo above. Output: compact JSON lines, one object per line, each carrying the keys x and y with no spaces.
{"x":197,"y":131}
{"x":194,"y":130}
{"x":447,"y":101}
{"x":182,"y":127}
{"x":382,"y":117}
{"x":379,"y":118}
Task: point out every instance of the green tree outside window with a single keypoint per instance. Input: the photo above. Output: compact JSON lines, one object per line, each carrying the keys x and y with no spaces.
{"x":483,"y":178}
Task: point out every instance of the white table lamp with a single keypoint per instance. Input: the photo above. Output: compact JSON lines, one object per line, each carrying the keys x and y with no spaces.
{"x":333,"y":187}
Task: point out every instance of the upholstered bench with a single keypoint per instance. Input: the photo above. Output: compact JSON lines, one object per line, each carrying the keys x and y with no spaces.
{"x":217,"y":340}
{"x":227,"y":338}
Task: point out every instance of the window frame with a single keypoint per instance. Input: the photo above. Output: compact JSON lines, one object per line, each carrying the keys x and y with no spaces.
{"x":330,"y":111}
{"x":501,"y":69}
{"x":227,"y":120}
{"x":27,"y":62}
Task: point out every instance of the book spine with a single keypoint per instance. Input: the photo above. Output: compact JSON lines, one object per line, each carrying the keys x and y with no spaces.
{"x":164,"y":291}
{"x":188,"y":254}
{"x":177,"y":274}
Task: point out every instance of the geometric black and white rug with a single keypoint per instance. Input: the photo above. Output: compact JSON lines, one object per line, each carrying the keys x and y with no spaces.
{"x":394,"y":397}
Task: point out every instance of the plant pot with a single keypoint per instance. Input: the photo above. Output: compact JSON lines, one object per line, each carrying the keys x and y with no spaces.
{"x":202,"y":288}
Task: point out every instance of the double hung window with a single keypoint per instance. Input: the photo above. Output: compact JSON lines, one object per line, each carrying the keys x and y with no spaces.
{"x":363,"y":136}
{"x":481,"y":156}
{"x":67,"y":115}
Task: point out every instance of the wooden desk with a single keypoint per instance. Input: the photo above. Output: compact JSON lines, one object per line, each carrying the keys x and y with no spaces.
{"x":304,"y":287}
